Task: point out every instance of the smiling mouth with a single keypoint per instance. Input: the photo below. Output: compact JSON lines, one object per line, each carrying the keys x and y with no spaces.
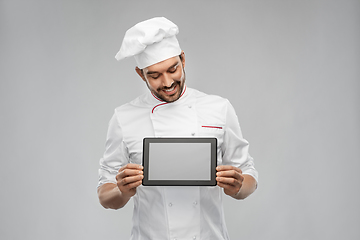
{"x":171,"y":90}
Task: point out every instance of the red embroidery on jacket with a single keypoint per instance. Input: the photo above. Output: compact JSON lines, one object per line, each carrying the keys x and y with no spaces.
{"x":211,"y":127}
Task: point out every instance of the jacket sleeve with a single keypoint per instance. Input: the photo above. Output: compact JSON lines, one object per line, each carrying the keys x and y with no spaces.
{"x":115,"y":155}
{"x":235,"y":148}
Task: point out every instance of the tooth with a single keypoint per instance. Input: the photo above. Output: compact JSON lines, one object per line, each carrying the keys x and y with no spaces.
{"x":169,"y":90}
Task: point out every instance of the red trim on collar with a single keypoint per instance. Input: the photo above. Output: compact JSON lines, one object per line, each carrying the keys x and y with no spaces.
{"x":183,"y":92}
{"x":165,"y":102}
{"x":156,"y":97}
{"x":158,"y":106}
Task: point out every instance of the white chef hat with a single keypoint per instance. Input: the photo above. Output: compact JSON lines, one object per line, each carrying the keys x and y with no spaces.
{"x":150,"y":42}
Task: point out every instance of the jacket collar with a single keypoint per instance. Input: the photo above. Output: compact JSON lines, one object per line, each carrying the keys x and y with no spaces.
{"x":154,"y":100}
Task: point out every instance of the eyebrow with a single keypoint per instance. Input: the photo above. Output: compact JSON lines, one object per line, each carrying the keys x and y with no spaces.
{"x":152,"y":72}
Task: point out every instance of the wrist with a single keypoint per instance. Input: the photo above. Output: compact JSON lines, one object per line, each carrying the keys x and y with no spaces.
{"x":238,"y":194}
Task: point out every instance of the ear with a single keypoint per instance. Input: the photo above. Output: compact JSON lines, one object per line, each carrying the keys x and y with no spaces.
{"x":183,"y":58}
{"x":140,"y":73}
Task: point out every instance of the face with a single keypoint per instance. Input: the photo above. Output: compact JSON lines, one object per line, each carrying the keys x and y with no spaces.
{"x":165,"y":79}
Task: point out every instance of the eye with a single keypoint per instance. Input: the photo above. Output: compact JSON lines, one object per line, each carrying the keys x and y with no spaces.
{"x":154,"y":76}
{"x":173,"y":69}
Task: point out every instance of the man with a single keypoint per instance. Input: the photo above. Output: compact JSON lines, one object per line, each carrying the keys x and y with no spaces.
{"x":171,"y":109}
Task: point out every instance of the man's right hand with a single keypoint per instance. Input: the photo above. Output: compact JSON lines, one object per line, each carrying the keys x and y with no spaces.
{"x":129,"y":178}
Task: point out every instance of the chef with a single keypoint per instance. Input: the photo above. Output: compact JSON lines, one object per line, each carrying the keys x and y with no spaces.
{"x":170,"y":108}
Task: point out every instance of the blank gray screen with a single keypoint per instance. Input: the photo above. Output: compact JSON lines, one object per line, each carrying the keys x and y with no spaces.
{"x":179,"y":161}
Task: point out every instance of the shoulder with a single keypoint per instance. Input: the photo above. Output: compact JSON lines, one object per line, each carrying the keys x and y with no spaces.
{"x":209,"y":100}
{"x":135,"y":104}
{"x":212,"y":109}
{"x":135,"y":109}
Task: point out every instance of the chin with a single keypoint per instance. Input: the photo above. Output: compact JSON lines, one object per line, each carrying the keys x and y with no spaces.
{"x":171,"y":99}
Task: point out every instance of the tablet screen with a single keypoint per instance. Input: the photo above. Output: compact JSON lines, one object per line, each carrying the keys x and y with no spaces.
{"x":179,"y":161}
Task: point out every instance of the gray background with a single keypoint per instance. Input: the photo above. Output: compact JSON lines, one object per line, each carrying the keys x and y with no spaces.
{"x":290,"y":68}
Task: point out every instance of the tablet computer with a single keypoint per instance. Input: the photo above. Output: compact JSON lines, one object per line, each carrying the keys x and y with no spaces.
{"x":179,"y":161}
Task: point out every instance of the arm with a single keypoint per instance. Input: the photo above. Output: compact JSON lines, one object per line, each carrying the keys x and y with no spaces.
{"x":235,"y":184}
{"x":249,"y":186}
{"x":111,"y":197}
{"x":238,"y":175}
{"x":118,"y":178}
{"x":116,"y":196}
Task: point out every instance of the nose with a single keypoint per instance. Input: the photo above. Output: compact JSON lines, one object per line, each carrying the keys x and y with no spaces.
{"x":167,"y":81}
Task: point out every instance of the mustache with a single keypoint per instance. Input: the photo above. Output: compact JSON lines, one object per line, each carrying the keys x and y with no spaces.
{"x":172,"y":85}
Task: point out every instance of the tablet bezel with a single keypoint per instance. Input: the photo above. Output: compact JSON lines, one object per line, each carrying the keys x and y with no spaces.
{"x":213,"y":163}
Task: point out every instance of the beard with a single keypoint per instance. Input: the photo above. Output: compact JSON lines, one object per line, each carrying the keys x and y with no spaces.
{"x":178,"y":83}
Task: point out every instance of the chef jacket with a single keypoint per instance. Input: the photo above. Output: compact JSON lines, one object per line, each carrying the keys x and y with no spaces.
{"x":175,"y":212}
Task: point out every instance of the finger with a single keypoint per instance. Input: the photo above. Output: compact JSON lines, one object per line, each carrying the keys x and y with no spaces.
{"x":131,"y":166}
{"x":228,"y":189}
{"x":229,"y":181}
{"x":128,"y":172}
{"x":230,"y":173}
{"x":130,"y":180}
{"x":227,"y":167}
{"x":225,"y":186}
{"x":130,"y":186}
{"x":135,"y":184}
{"x":130,"y":189}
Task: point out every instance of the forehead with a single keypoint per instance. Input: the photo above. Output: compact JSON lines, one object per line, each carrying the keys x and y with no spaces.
{"x":162,"y":66}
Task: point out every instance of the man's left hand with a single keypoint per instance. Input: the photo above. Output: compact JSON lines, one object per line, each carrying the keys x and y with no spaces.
{"x":230,"y":178}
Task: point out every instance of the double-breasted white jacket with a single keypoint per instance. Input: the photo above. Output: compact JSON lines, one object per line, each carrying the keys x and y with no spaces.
{"x":184,"y":212}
